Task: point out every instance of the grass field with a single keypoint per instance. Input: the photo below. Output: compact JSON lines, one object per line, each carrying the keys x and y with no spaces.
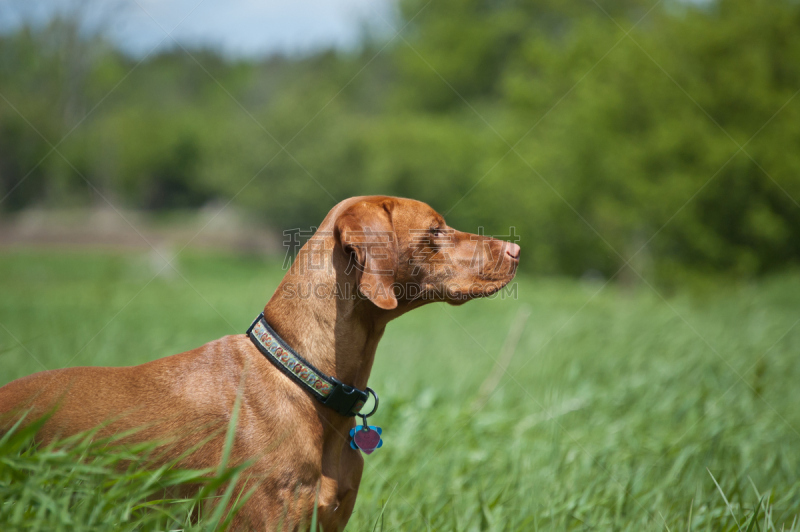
{"x":619,"y":410}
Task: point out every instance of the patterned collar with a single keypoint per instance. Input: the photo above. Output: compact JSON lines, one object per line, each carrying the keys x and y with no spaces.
{"x":344,"y":399}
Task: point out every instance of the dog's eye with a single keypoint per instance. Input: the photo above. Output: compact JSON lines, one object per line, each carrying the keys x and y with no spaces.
{"x":437,"y":231}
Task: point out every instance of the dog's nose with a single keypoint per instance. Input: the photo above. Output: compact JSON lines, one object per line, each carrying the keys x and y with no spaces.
{"x":512,"y":250}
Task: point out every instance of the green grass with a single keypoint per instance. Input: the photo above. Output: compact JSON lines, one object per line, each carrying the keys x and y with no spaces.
{"x":97,"y":484}
{"x":619,"y":410}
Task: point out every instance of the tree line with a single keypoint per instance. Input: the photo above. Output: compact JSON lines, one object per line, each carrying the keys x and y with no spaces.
{"x":661,"y":133}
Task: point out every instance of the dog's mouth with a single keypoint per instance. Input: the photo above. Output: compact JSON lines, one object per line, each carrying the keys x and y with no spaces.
{"x":459,"y":295}
{"x":457,"y":291}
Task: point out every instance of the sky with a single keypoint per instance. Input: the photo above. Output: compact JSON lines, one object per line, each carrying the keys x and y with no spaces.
{"x":236,"y":27}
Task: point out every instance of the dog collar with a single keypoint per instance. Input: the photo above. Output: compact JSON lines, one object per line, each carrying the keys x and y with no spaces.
{"x":331,"y":392}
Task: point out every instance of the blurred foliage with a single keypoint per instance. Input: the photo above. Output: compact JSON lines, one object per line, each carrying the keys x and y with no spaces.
{"x":660,"y":132}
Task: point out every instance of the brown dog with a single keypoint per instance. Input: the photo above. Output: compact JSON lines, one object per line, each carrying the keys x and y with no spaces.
{"x":372,"y":259}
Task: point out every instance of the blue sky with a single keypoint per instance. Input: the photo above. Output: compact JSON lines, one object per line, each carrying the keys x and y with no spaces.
{"x":237,"y":27}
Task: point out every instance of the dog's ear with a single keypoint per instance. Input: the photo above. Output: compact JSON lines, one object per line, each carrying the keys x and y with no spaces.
{"x":365,"y":232}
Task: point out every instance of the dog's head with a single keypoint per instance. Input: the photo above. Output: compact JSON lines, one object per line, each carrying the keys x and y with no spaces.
{"x":400,"y":252}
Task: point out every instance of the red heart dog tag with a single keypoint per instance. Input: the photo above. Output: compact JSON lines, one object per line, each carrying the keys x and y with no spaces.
{"x":367,"y":438}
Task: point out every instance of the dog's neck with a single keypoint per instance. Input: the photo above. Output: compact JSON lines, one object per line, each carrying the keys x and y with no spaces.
{"x":337,"y":332}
